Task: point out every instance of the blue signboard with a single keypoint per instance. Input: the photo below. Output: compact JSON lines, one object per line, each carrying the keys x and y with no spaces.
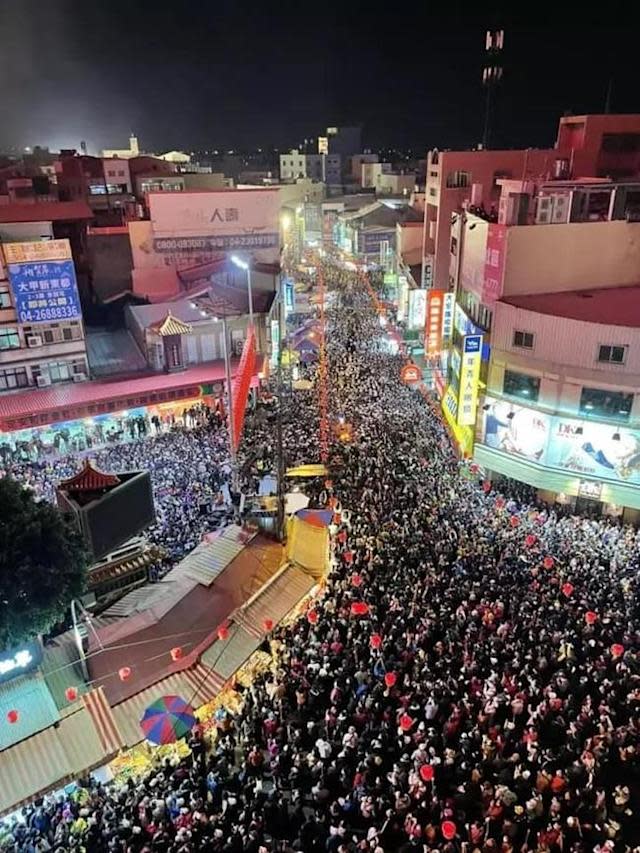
{"x":472,"y":343}
{"x":289,"y":296}
{"x":19,"y":660}
{"x":369,"y":242}
{"x":45,"y":291}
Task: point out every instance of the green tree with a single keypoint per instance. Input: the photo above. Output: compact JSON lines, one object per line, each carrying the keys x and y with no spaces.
{"x":42,"y":564}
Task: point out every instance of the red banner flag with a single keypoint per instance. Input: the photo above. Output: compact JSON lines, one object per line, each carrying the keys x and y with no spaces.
{"x":242,"y":384}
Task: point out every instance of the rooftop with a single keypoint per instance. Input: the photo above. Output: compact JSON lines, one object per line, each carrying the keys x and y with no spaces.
{"x":610,"y":306}
{"x":45,"y":211}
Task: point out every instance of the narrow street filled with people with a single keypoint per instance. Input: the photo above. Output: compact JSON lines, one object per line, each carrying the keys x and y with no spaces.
{"x":467,"y":679}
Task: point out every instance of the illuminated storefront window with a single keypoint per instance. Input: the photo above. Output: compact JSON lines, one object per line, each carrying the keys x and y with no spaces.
{"x":521,"y":385}
{"x":598,"y":402}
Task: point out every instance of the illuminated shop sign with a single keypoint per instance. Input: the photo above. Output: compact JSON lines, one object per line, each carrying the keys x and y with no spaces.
{"x":209,"y":242}
{"x":417,"y":309}
{"x":469,"y":380}
{"x":447,"y":315}
{"x":433,"y":327}
{"x":584,"y":448}
{"x":19,"y":661}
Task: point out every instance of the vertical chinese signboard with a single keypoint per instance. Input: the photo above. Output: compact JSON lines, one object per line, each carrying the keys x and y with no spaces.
{"x":417,"y":309}
{"x":447,"y":315}
{"x":43,"y":281}
{"x":494,"y":263}
{"x":433,"y":327}
{"x":469,"y":379}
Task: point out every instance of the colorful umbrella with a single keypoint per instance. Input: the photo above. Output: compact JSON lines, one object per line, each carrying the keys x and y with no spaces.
{"x":167,"y":720}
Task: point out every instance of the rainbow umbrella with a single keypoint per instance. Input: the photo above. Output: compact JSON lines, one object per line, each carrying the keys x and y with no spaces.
{"x":167,"y":720}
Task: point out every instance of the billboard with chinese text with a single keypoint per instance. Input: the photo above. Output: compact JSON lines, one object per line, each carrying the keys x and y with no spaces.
{"x":469,"y":379}
{"x":494,"y":263}
{"x":44,"y":290}
{"x":583,"y":447}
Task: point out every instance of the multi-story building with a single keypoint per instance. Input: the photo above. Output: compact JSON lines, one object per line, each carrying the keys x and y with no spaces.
{"x":344,"y":141}
{"x":42,"y":339}
{"x":546,"y":297}
{"x":318,"y":167}
{"x":371,"y":171}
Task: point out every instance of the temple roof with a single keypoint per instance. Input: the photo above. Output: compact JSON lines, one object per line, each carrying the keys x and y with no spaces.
{"x":89,"y":479}
{"x":171,"y":325}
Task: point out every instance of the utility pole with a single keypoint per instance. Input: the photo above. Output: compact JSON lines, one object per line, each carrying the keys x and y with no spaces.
{"x":279,"y":431}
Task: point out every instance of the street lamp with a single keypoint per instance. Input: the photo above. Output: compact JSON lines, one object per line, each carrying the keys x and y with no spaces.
{"x":246,"y":266}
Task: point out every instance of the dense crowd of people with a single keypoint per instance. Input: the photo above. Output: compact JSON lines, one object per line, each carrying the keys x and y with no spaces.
{"x":467,"y":681}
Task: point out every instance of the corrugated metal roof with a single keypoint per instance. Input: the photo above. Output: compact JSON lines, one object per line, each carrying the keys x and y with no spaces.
{"x":46,"y":211}
{"x":30,"y":696}
{"x":152,"y":599}
{"x":209,"y":559}
{"x":281,"y":595}
{"x":225,"y":657}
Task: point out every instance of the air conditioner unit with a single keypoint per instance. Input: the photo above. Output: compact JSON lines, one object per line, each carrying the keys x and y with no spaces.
{"x":43,"y":381}
{"x":34,"y":341}
{"x":79,"y":377}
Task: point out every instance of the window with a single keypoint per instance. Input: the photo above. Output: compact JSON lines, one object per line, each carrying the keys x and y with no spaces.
{"x":9,"y":339}
{"x":433,"y":174}
{"x":5,"y":299}
{"x":13,"y":377}
{"x":523,"y":339}
{"x":455,"y":180}
{"x":433,"y":192}
{"x":520,"y":385}
{"x":58,"y":371}
{"x":454,"y":246}
{"x":612,"y":354}
{"x":621,"y":143}
{"x":48,"y":336}
{"x":67,"y":334}
{"x":607,"y":404}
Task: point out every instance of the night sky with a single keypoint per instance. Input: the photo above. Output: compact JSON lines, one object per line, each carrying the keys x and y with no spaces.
{"x":239,"y":73}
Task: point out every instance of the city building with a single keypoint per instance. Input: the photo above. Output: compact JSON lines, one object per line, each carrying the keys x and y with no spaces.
{"x":319,"y":167}
{"x":124,"y":153}
{"x":42,"y":337}
{"x":370,"y":232}
{"x":104,"y":183}
{"x":370,"y":171}
{"x":390,"y":183}
{"x":344,"y":141}
{"x":356,"y":164}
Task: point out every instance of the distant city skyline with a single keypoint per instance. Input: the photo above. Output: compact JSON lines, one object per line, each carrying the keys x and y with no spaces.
{"x":249,"y":75}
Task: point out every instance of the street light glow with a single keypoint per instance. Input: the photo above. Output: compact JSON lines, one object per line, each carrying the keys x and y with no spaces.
{"x":239,"y":262}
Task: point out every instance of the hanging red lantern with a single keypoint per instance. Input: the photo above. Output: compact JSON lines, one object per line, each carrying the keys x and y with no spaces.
{"x":617,"y":650}
{"x":268,"y":625}
{"x":486,"y":486}
{"x":590,"y":617}
{"x":390,"y":678}
{"x":223,"y":632}
{"x":124,"y":672}
{"x":71,"y":694}
{"x":427,"y":772}
{"x":348,"y":557}
{"x":13,"y":717}
{"x":342,"y":537}
{"x":359,"y":608}
{"x":406,"y":722}
{"x":176,"y":653}
{"x":356,"y":579}
{"x":548,"y":562}
{"x":530,"y":540}
{"x":375,"y":641}
{"x":567,"y":589}
{"x":514,"y":521}
{"x":449,"y":829}
{"x":312,"y":616}
{"x":500,"y":503}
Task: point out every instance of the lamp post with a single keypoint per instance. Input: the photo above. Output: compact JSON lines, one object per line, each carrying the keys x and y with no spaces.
{"x":246,"y":266}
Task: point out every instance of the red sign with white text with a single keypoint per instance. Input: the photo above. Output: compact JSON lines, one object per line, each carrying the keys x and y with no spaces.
{"x":494,"y":263}
{"x":433,"y":324}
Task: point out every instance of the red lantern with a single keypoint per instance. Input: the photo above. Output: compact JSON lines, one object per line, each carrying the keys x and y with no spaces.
{"x":474,"y":467}
{"x":514,"y":521}
{"x":176,"y":653}
{"x":427,"y":773}
{"x":124,"y":673}
{"x":590,"y":617}
{"x":268,"y":625}
{"x":13,"y":717}
{"x":390,"y":678}
{"x":530,"y":540}
{"x":548,"y":562}
{"x":405,"y":722}
{"x":342,"y":536}
{"x":567,"y":589}
{"x":71,"y":694}
{"x":375,"y":641}
{"x":356,"y":580}
{"x":359,"y":608}
{"x":223,"y":632}
{"x":449,"y":829}
{"x":348,"y":557}
{"x":312,"y":616}
{"x":617,"y":650}
{"x":500,"y":502}
{"x":486,"y":486}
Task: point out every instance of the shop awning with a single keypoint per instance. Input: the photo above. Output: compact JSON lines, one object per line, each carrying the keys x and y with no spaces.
{"x":59,"y":754}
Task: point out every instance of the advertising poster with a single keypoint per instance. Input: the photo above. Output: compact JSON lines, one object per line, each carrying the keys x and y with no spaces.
{"x":433,"y":327}
{"x":45,"y":289}
{"x":469,"y":380}
{"x":275,"y":344}
{"x":582,"y":447}
{"x":447,"y":315}
{"x":417,"y":309}
{"x":494,"y":263}
{"x":403,"y":297}
{"x":473,"y":260}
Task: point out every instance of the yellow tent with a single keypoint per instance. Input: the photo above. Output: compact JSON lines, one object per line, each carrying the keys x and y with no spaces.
{"x":308,"y":471}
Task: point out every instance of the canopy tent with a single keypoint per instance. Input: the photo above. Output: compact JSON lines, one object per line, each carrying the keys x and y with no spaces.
{"x":310,"y":470}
